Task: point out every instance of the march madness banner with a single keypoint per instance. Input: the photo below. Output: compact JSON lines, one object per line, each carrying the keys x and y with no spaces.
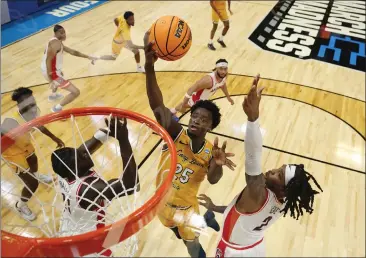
{"x":328,"y":31}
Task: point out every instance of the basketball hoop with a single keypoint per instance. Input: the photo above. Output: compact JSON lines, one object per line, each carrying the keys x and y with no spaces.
{"x":16,"y":245}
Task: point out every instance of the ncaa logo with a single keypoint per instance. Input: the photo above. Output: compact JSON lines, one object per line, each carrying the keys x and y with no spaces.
{"x":178,"y":32}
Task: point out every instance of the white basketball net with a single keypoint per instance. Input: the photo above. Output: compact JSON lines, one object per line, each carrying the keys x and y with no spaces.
{"x":47,"y":202}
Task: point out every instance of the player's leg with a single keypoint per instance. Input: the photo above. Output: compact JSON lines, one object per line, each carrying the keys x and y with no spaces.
{"x":195,"y":248}
{"x":136,"y":53}
{"x":73,"y":94}
{"x":215,"y":22}
{"x":30,"y":184}
{"x":225,"y":20}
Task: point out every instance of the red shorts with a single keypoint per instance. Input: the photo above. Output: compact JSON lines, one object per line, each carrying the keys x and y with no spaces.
{"x":58,"y":79}
{"x":227,"y":250}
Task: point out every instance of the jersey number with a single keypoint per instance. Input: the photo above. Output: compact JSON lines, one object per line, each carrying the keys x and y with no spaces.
{"x":265,"y":223}
{"x":184,"y":178}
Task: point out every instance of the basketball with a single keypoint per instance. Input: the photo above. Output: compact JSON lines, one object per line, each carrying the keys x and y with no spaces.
{"x":172,"y":36}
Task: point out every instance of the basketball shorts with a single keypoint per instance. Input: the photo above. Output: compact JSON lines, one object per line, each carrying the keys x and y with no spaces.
{"x":58,"y":79}
{"x":225,"y":249}
{"x":117,"y":48}
{"x":19,"y":162}
{"x":223,"y":14}
{"x":172,"y":216}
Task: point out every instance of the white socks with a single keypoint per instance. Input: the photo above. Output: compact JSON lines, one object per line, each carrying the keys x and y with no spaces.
{"x":58,"y":106}
{"x":210,"y":42}
{"x":21,"y":204}
{"x":221,"y":38}
{"x":138,"y":65}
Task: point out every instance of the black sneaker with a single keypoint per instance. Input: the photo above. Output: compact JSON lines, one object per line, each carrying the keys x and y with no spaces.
{"x":211,"y":221}
{"x":221,"y":42}
{"x":211,"y":46}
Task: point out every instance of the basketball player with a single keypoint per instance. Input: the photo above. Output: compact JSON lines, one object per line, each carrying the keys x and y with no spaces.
{"x":52,"y":68}
{"x":122,"y":39}
{"x":86,"y":195}
{"x":264,"y":198}
{"x":219,"y":13}
{"x":204,"y":88}
{"x":197,"y":158}
{"x":21,"y":156}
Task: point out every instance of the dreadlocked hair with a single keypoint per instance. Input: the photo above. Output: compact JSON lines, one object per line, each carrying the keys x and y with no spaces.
{"x":299,"y":194}
{"x":212,"y":108}
{"x":62,"y":160}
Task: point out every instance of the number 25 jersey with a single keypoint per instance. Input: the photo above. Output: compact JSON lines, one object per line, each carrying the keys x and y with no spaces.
{"x":190,"y":172}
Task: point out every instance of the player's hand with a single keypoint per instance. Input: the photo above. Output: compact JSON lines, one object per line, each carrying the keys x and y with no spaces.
{"x":118,"y":129}
{"x":54,"y":85}
{"x":150,"y":54}
{"x":220,"y":156}
{"x":251,"y":102}
{"x":205,"y":201}
{"x":59,"y":142}
{"x":93,"y":59}
{"x":231,"y":101}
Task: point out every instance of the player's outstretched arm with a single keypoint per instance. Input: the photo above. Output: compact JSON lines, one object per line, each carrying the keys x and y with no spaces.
{"x":78,"y":54}
{"x":253,"y":144}
{"x":204,"y":83}
{"x":47,"y":132}
{"x":101,"y":190}
{"x":227,"y":94}
{"x":206,"y":202}
{"x":161,"y":112}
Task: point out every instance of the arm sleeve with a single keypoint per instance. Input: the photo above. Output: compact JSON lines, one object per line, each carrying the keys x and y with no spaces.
{"x":253,"y":149}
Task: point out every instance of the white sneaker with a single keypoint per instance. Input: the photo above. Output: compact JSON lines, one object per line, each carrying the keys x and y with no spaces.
{"x":54,"y":109}
{"x":45,"y":178}
{"x":25,"y":212}
{"x":55,"y":97}
{"x":140,"y":69}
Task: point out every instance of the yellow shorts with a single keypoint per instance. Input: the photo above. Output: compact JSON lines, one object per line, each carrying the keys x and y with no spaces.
{"x":172,"y":216}
{"x":19,"y":162}
{"x":216,"y":18}
{"x":117,"y":47}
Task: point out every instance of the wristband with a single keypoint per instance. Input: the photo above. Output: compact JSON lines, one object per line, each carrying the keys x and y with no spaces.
{"x":101,"y":136}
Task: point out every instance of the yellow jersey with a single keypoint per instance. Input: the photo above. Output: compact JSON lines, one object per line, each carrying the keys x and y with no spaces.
{"x":22,"y":145}
{"x":123,"y":31}
{"x":190,"y":172}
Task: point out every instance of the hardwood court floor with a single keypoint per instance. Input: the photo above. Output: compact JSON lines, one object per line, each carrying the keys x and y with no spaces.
{"x":320,"y":124}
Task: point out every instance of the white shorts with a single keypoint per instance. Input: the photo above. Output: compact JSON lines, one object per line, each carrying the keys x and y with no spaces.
{"x":225,"y":249}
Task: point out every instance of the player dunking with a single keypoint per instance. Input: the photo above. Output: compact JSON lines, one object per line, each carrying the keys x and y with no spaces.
{"x":204,"y":88}
{"x":197,"y":158}
{"x":219,"y":13}
{"x":21,"y":156}
{"x":265,"y":197}
{"x":52,"y":68}
{"x":86,"y":195}
{"x":122,"y":39}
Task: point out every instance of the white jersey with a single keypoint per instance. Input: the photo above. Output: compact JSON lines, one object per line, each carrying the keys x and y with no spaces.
{"x":56,"y":65}
{"x":205,"y":94}
{"x":76,"y":220}
{"x":246,"y":229}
